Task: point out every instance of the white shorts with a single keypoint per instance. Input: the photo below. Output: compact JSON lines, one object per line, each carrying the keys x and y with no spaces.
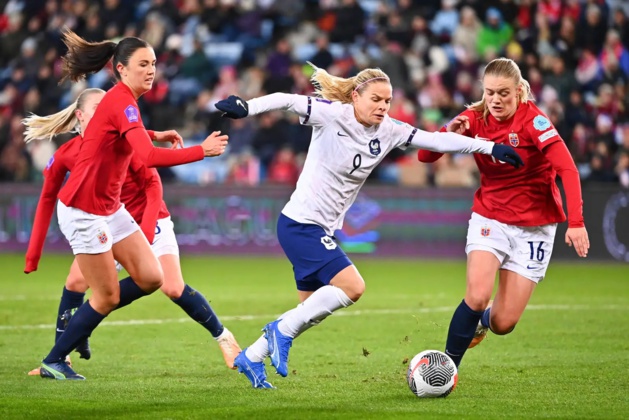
{"x":93,"y":234}
{"x":525,"y":250}
{"x":165,"y":241}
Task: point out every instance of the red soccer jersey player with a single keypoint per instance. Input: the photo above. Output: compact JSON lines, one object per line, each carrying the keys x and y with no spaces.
{"x":515,"y":211}
{"x":142,"y":196}
{"x":89,"y":211}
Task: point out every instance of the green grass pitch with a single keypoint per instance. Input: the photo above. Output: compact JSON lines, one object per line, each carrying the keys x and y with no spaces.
{"x":568,"y":357}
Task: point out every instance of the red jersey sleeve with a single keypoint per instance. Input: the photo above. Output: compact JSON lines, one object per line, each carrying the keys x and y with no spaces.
{"x":542,"y":131}
{"x":54,"y":174}
{"x":154,"y":194}
{"x":156,"y":156}
{"x":428,"y":156}
{"x":559,"y":157}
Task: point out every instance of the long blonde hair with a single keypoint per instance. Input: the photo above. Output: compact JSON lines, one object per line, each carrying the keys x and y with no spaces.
{"x":504,"y":67}
{"x":64,"y":121}
{"x":340,"y":89}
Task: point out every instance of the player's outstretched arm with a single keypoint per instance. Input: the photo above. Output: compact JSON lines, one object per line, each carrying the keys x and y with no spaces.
{"x":459,"y":124}
{"x":235,"y":107}
{"x":456,"y":143}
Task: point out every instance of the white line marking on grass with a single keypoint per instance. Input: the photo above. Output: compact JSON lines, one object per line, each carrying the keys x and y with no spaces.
{"x":358,"y":312}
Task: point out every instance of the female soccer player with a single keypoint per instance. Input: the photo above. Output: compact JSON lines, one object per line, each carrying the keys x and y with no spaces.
{"x":351,"y":134}
{"x":90,"y":213}
{"x":515,"y":213}
{"x":142,"y":197}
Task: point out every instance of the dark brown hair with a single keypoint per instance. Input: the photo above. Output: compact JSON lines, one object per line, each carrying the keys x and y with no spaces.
{"x":85,"y":57}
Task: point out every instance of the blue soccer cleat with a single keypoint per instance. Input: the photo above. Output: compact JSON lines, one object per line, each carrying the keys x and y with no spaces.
{"x":279,"y":345}
{"x":254,"y":371}
{"x":59,"y":371}
{"x":83,"y":348}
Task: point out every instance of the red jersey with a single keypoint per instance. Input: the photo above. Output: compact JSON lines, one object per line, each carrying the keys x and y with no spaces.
{"x":527,"y":196}
{"x":114,"y":132}
{"x":139,"y":193}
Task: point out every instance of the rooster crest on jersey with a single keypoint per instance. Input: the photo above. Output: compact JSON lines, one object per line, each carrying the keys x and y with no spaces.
{"x":514,"y":140}
{"x":374,"y":147}
{"x":132,"y":113}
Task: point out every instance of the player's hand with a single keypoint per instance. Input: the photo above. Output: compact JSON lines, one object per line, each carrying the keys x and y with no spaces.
{"x":214,"y":144}
{"x":233,"y":107}
{"x":170,"y":136}
{"x":459,"y":124}
{"x":507,"y":154}
{"x":579,"y":238}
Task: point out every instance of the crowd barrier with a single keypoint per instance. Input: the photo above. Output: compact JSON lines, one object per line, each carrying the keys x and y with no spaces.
{"x":385,"y":221}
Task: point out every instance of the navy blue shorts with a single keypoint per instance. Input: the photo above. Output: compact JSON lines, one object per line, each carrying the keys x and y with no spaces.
{"x":316,"y":257}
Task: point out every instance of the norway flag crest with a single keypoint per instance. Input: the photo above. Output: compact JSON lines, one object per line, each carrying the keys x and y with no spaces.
{"x":514,"y":140}
{"x":102,"y":237}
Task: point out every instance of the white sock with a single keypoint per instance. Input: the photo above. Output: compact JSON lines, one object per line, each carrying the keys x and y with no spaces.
{"x":258,"y":351}
{"x":223,"y":334}
{"x":313,"y":310}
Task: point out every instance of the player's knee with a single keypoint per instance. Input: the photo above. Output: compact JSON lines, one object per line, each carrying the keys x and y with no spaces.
{"x":355,"y":290}
{"x":150,"y":279}
{"x":105,"y":301}
{"x":76,"y":283}
{"x":172,"y":291}
{"x":477,"y":301}
{"x":502,"y":326}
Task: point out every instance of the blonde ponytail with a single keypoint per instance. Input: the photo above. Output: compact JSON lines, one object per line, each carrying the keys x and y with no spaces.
{"x":65,"y":121}
{"x":340,"y":89}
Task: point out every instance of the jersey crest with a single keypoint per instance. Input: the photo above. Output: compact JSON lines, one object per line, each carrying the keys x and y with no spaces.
{"x":374,"y":147}
{"x":514,"y":140}
{"x":102,"y":237}
{"x":131,"y":113}
{"x":541,"y":123}
{"x":485,"y":231}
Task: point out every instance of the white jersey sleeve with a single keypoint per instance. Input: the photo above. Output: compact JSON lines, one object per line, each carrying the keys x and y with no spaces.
{"x":409,"y":136}
{"x":311,"y":111}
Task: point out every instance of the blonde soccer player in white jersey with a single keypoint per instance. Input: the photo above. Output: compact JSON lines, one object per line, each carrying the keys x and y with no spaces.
{"x":351,"y":134}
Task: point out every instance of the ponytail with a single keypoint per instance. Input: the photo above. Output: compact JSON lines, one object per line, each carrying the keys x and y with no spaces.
{"x":65,"y":121}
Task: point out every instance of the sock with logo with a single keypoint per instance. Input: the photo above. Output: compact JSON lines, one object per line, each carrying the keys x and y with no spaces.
{"x":80,"y":327}
{"x":69,"y":300}
{"x":461,"y":331}
{"x":198,"y":308}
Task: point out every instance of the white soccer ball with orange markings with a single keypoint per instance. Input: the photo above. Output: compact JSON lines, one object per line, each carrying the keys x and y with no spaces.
{"x":432,"y":374}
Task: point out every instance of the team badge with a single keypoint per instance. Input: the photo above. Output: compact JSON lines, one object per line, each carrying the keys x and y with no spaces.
{"x":102,"y":237}
{"x":514,"y":140}
{"x":541,"y":123}
{"x":374,"y":147}
{"x":328,"y":243}
{"x":485,"y":231}
{"x":132,"y":113}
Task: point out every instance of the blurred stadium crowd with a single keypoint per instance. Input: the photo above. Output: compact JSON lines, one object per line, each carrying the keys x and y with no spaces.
{"x":574,"y":53}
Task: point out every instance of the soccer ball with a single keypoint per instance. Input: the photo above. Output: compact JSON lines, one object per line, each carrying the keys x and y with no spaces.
{"x":432,"y":374}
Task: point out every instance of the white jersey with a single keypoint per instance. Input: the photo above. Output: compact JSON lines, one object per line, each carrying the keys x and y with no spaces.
{"x":343,"y":153}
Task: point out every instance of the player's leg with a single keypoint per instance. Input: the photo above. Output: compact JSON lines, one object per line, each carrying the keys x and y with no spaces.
{"x":525,"y":267}
{"x":481,"y":273}
{"x":76,"y":285}
{"x":487,"y":247}
{"x":514,"y":293}
{"x":92,"y":241}
{"x":71,"y":298}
